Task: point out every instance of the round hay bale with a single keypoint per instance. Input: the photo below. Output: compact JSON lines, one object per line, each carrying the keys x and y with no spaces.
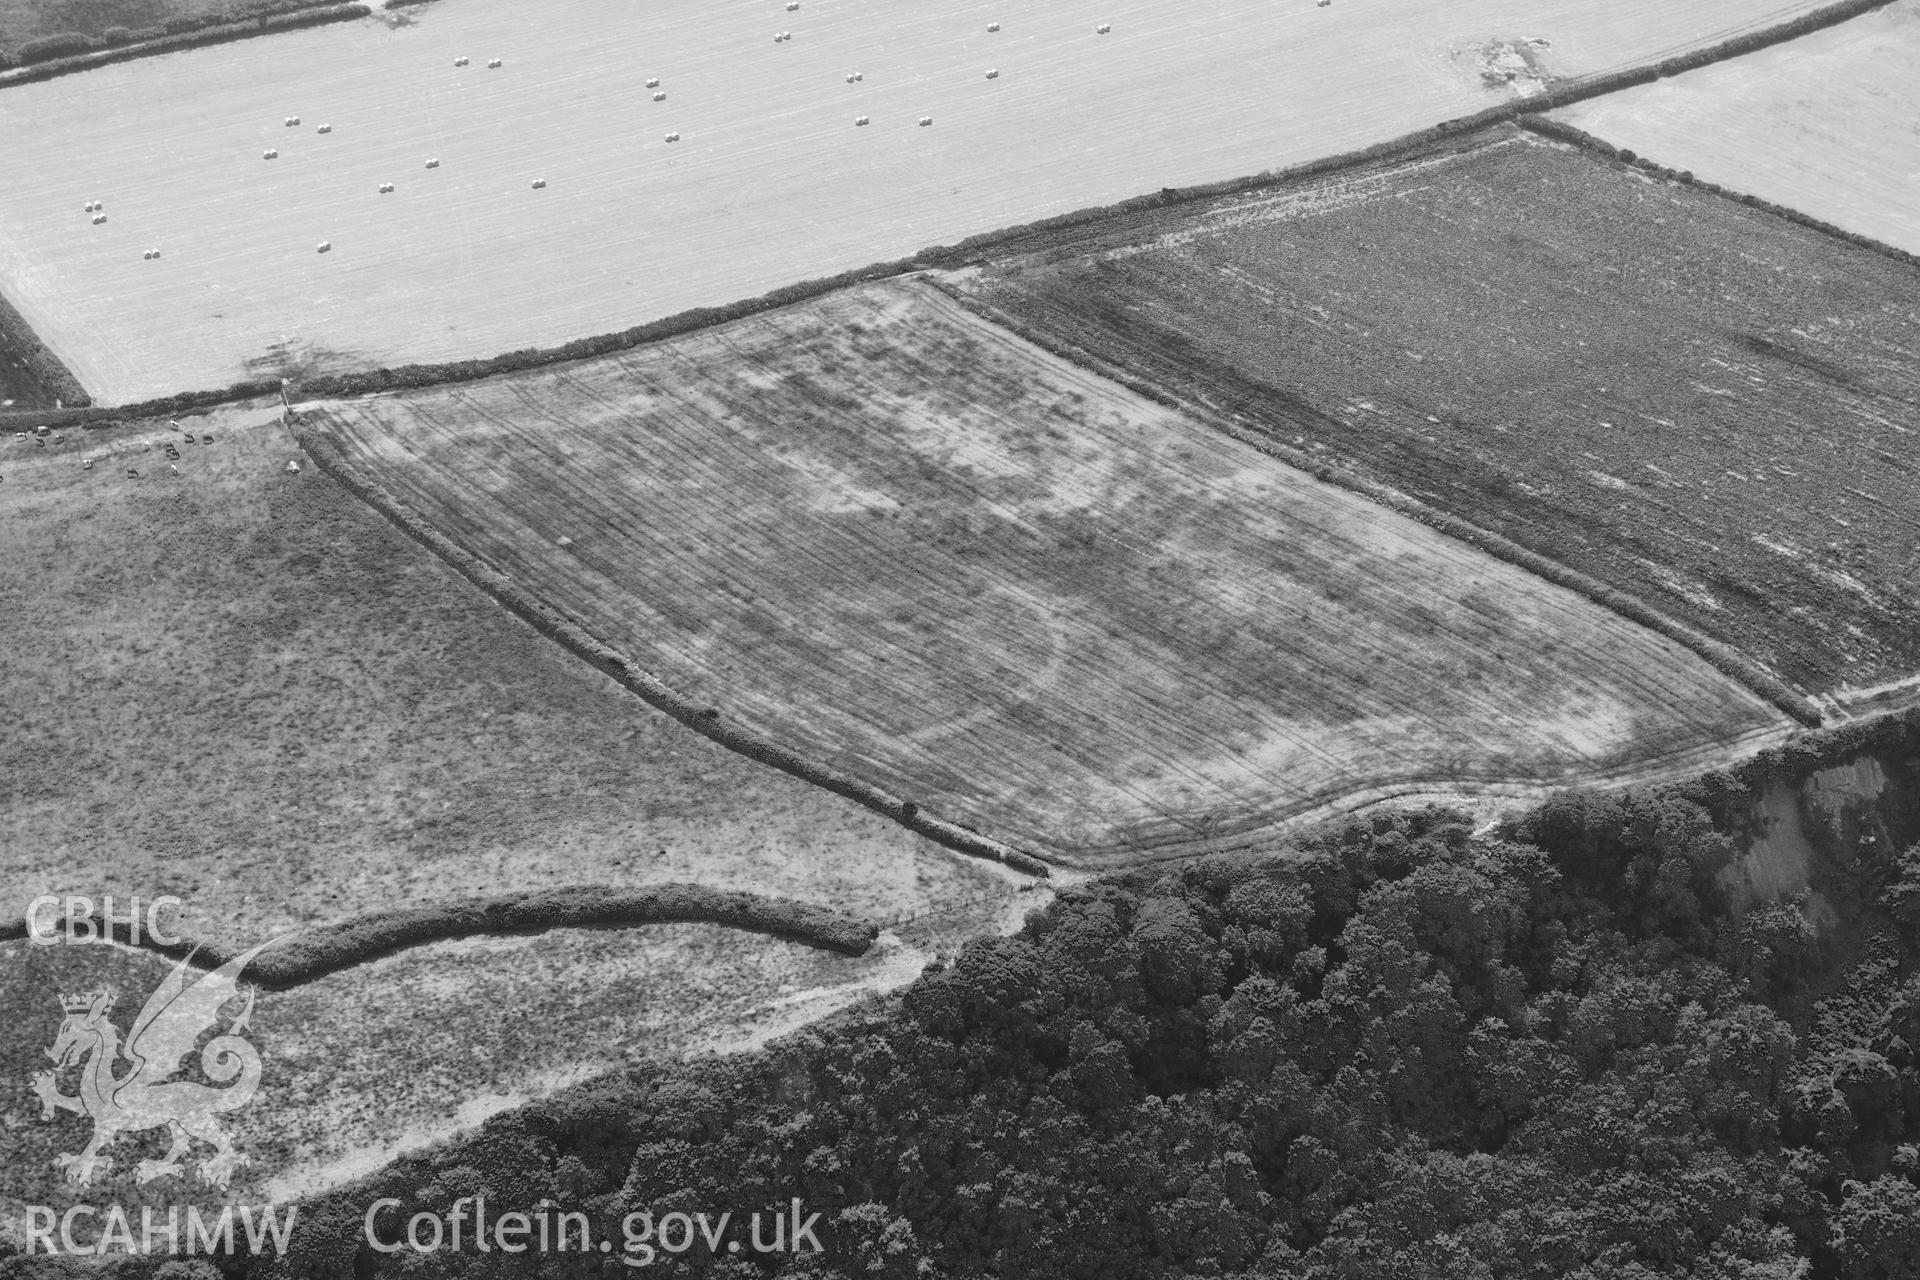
{"x":494,"y":64}
{"x":859,"y":75}
{"x":459,"y":62}
{"x":538,"y":183}
{"x":925,"y":121}
{"x":660,"y":97}
{"x":993,"y":26}
{"x":326,"y":128}
{"x":860,"y":119}
{"x":147,"y":256}
{"x":653,"y":83}
{"x":993,"y":73}
{"x":792,"y":5}
{"x":433,"y":164}
{"x":268,"y":154}
{"x":1103,"y":28}
{"x":323,"y":246}
{"x":99,"y":218}
{"x":849,"y":77}
{"x":673,"y":137}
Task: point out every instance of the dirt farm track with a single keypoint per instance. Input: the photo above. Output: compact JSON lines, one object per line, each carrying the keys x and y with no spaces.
{"x":770,"y":182}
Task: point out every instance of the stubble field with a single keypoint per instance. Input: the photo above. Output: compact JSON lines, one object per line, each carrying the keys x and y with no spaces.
{"x":1699,"y":403}
{"x":770,"y":183}
{"x":1828,"y":124}
{"x":909,"y":545}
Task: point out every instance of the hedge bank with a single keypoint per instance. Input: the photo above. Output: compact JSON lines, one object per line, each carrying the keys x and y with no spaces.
{"x":323,"y":949}
{"x":69,"y":52}
{"x":1560,"y":131}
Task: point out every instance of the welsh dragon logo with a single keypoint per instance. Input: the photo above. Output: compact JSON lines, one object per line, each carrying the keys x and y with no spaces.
{"x":182,"y":1009}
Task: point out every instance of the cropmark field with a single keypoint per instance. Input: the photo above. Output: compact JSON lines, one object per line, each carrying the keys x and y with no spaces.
{"x":1825,"y":123}
{"x":627,"y":162}
{"x":907,"y":544}
{"x":1702,"y":404}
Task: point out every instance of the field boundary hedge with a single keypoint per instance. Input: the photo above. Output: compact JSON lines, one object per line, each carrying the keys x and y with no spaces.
{"x":1808,"y":753}
{"x":45,"y":370}
{"x":703,"y":720}
{"x":1561,"y":131}
{"x":1722,"y":657}
{"x":319,"y":950}
{"x":104,"y":53}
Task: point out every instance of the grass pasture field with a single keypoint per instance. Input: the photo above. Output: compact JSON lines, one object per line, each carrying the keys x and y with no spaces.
{"x":770,"y":183}
{"x":903,"y":542}
{"x":1704,"y":405}
{"x":1828,"y":124}
{"x":241,"y":687}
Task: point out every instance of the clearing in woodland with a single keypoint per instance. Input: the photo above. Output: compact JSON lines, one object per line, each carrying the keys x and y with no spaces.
{"x":1699,"y":403}
{"x":906,"y":543}
{"x":1825,"y":124}
{"x":769,"y":181}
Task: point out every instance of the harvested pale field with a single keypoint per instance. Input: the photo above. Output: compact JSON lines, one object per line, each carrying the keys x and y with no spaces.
{"x":1828,"y":124}
{"x":770,"y":182}
{"x":906,"y":544}
{"x":1706,"y":406}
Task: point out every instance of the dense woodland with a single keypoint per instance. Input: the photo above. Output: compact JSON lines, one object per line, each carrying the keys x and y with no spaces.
{"x":1391,"y":1048}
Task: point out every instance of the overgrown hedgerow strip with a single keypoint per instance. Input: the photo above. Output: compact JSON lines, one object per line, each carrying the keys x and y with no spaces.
{"x":1722,"y":657}
{"x":1560,"y":131}
{"x":323,"y":949}
{"x":22,"y":346}
{"x":180,"y":34}
{"x":704,"y":720}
